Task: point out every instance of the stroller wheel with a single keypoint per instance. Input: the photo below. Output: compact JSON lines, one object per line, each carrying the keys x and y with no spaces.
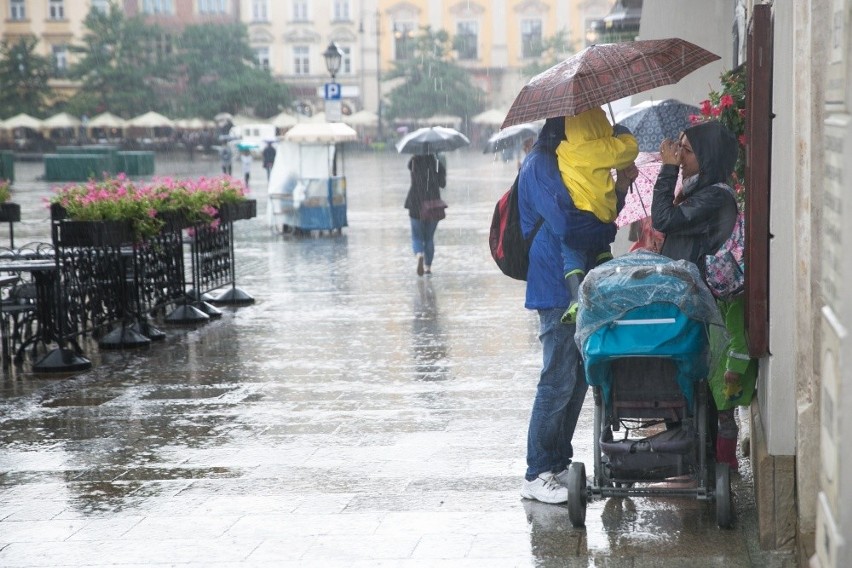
{"x":577,"y":495}
{"x":724,"y":512}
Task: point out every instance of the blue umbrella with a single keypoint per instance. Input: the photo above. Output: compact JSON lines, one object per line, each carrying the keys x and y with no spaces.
{"x":653,"y":121}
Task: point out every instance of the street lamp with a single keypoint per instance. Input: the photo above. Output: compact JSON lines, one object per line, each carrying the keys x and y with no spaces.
{"x":333,"y":57}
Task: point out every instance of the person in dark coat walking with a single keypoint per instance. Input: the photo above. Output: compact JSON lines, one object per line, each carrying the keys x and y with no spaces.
{"x":268,"y":158}
{"x":428,"y":176}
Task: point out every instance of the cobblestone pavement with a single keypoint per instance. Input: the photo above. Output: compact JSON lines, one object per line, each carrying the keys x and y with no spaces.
{"x":354,"y":415}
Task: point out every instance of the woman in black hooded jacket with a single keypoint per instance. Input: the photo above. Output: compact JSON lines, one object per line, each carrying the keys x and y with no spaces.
{"x":701,"y":218}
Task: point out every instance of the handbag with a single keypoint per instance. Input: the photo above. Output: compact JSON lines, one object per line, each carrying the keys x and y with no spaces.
{"x":433,"y":210}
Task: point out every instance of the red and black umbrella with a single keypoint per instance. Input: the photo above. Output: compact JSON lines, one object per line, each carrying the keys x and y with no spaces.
{"x":600,"y":74}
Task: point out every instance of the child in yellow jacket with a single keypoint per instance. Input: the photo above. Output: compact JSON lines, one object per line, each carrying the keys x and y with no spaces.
{"x":586,"y":158}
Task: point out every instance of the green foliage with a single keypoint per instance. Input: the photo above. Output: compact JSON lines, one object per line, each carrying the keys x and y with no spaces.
{"x":116,"y":69}
{"x":5,"y":190}
{"x":433,"y":83}
{"x":24,"y":75}
{"x":728,"y":106}
{"x":222,"y":75}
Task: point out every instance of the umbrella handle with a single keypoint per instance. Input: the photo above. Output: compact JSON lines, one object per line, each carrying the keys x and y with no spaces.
{"x":639,"y":195}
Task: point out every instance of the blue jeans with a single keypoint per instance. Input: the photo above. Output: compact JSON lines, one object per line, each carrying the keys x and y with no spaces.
{"x":423,"y":239}
{"x":558,"y":398}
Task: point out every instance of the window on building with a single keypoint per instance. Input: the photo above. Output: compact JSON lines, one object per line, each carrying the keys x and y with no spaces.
{"x":531,"y":42}
{"x":101,"y":5}
{"x":17,"y":10}
{"x":467,"y":36}
{"x":260,"y":10}
{"x":60,"y":60}
{"x":158,"y":6}
{"x":56,"y":10}
{"x":346,"y":61}
{"x":300,"y":10}
{"x":301,"y":60}
{"x":403,"y":40}
{"x":340,"y":11}
{"x":262,"y":56}
{"x":212,"y":6}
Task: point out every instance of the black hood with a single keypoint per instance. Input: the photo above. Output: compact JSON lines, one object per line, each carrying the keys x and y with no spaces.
{"x":715,"y":149}
{"x":552,"y":133}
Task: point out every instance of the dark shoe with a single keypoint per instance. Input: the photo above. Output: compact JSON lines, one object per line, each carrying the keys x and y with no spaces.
{"x":420,"y":265}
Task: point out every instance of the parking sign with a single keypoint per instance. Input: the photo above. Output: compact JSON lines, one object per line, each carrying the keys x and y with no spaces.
{"x":332,"y":91}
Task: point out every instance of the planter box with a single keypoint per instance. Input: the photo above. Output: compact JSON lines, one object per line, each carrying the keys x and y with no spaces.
{"x":76,"y":167}
{"x":94,"y":233}
{"x":230,"y":212}
{"x":10,"y":213}
{"x":174,"y":221}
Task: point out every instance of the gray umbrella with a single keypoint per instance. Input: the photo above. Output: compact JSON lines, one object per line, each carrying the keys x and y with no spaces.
{"x":512,"y":136}
{"x":431,"y":140}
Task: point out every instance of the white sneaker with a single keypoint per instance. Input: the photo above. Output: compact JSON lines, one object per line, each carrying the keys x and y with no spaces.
{"x":544,"y":488}
{"x":562,"y":477}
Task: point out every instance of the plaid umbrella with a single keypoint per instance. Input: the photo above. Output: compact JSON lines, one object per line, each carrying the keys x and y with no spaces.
{"x":637,"y":205}
{"x":430,"y":140}
{"x":653,"y":121}
{"x":600,"y":74}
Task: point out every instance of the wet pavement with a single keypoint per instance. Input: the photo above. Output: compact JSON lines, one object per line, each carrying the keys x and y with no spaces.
{"x":354,"y":415}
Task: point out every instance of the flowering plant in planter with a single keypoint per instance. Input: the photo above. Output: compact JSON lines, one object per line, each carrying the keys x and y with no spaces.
{"x":119,"y":199}
{"x":728,"y":107}
{"x":5,"y":190}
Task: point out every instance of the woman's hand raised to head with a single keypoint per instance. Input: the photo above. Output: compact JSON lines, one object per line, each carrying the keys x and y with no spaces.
{"x":670,"y":152}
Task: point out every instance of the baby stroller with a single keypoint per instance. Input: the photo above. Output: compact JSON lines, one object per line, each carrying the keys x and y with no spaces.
{"x":642,"y":331}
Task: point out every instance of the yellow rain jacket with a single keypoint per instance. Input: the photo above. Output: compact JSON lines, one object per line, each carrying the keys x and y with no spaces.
{"x":587,"y":157}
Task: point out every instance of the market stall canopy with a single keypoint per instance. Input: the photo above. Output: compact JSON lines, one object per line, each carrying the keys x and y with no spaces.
{"x":193,"y":123}
{"x":242,"y":119}
{"x":151,"y":119}
{"x":22,"y":120}
{"x":442,"y":120}
{"x":321,"y":132}
{"x":284,"y":120}
{"x":107,"y":120}
{"x":491,"y":117}
{"x":61,"y":120}
{"x":362,"y":118}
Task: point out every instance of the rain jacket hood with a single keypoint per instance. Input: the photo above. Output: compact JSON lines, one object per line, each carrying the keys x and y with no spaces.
{"x":715,"y":149}
{"x":587,"y":157}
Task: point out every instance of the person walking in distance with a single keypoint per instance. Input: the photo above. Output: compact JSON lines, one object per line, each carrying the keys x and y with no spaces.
{"x":268,"y":158}
{"x":428,"y":176}
{"x":226,"y":156}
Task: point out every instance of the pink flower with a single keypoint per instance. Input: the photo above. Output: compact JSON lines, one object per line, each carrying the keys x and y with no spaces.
{"x":695,"y":118}
{"x":715,"y":111}
{"x":726,"y":101}
{"x":742,"y":139}
{"x":705,"y":107}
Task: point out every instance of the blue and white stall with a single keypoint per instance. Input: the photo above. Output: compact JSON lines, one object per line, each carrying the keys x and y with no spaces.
{"x":307,"y":184}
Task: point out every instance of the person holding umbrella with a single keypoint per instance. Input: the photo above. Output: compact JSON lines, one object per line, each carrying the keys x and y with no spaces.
{"x":428,"y":171}
{"x":562,"y":386}
{"x":428,"y":176}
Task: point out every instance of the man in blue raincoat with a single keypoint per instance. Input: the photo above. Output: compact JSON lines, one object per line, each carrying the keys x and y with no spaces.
{"x":562,"y":385}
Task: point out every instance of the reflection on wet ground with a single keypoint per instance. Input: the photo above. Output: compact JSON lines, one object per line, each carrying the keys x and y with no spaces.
{"x":355,"y":415}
